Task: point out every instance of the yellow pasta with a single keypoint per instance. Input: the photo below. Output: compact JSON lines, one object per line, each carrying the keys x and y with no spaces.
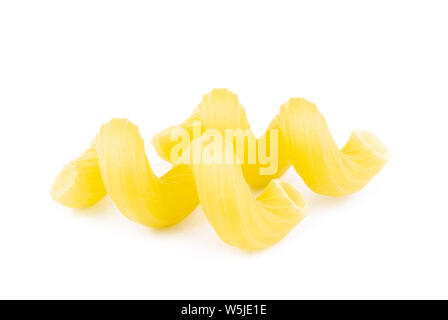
{"x":303,"y":140}
{"x":239,"y":218}
{"x":318,"y":160}
{"x":116,"y":164}
{"x":79,"y":184}
{"x":221,"y":110}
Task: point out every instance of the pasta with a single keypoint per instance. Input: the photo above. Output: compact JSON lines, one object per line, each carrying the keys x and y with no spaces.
{"x":116,"y":164}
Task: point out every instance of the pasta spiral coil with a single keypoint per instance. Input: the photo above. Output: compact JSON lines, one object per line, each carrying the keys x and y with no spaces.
{"x":116,"y":164}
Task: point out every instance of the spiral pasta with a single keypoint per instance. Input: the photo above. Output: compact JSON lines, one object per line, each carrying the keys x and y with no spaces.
{"x":116,"y":164}
{"x":303,"y":140}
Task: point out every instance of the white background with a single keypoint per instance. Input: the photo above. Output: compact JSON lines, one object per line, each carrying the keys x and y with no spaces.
{"x":68,"y":66}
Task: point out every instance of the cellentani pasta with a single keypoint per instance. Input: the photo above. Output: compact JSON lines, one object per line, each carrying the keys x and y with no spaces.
{"x":217,"y":161}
